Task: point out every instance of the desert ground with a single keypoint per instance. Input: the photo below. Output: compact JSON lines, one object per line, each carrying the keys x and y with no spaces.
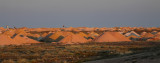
{"x":145,"y":57}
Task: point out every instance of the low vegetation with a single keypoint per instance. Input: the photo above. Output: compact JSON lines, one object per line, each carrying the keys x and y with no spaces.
{"x":58,"y":53}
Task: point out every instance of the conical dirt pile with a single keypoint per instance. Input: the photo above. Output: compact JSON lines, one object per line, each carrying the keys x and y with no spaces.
{"x":111,"y":37}
{"x":73,"y":39}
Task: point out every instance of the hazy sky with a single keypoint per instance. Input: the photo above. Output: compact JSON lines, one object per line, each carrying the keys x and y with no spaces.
{"x":79,"y":13}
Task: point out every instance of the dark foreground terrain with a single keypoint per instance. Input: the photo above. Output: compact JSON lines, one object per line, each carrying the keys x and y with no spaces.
{"x":89,"y":53}
{"x":146,"y":57}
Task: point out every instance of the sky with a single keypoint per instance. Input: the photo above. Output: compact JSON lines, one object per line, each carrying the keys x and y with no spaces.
{"x":79,"y":13}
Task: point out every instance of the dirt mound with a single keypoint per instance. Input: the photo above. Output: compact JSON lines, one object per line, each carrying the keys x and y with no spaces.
{"x":9,"y":32}
{"x":33,"y":36}
{"x":147,"y":35}
{"x":21,"y":32}
{"x":2,"y":29}
{"x":57,"y":36}
{"x":158,"y":33}
{"x":111,"y":37}
{"x":66,"y":33}
{"x":73,"y":39}
{"x":143,"y":33}
{"x":6,"y":40}
{"x":20,"y":39}
{"x":82,"y":34}
{"x":93,"y":34}
{"x":132,"y":33}
{"x":132,"y":36}
{"x":44,"y":34}
{"x":154,"y":32}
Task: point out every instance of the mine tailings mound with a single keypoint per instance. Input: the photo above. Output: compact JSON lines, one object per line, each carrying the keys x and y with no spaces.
{"x":111,"y":37}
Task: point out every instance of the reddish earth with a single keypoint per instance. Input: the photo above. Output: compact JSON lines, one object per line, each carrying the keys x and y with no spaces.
{"x":111,"y":37}
{"x":73,"y":35}
{"x":73,"y":39}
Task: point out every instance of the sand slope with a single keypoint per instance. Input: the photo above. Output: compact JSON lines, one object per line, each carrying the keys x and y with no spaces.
{"x":73,"y":39}
{"x":111,"y":37}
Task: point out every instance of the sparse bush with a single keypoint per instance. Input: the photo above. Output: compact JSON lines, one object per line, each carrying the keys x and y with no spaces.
{"x":8,"y":61}
{"x":22,"y":61}
{"x":49,"y":53}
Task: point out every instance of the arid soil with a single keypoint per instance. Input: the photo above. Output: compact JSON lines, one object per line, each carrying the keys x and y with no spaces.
{"x":146,"y":57}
